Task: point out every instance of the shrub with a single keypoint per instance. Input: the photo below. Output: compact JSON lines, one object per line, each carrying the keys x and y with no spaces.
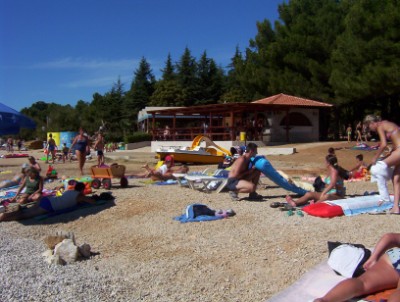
{"x":137,"y":137}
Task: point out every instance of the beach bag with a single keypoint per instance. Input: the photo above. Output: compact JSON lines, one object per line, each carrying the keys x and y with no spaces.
{"x":347,"y":259}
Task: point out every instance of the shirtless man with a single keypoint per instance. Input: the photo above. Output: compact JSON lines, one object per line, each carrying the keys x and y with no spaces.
{"x":241,"y":178}
{"x":99,"y":147}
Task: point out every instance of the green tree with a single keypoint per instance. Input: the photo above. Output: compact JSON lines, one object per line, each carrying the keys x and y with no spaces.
{"x":167,"y":90}
{"x":210,"y":80}
{"x":300,"y":58}
{"x":234,"y":92}
{"x":366,"y":62}
{"x":142,"y":87}
{"x":187,"y":79}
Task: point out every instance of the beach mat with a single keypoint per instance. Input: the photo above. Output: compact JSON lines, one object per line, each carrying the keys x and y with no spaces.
{"x":316,"y":283}
{"x":313,"y":284}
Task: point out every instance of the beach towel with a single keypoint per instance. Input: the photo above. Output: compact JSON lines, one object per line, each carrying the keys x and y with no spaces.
{"x":197,"y":213}
{"x":166,"y":183}
{"x":316,"y":283}
{"x":362,"y":204}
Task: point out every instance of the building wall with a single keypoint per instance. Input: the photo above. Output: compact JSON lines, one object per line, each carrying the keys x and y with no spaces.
{"x":277,"y":132}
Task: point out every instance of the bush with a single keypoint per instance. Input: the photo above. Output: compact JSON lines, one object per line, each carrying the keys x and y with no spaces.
{"x":137,"y":137}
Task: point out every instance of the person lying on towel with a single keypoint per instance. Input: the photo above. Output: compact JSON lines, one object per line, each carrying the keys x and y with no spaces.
{"x":51,"y":204}
{"x":165,"y":171}
{"x":16,"y":180}
{"x":382,"y":273}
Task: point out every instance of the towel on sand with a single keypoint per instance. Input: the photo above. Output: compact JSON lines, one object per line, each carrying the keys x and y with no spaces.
{"x":316,"y":283}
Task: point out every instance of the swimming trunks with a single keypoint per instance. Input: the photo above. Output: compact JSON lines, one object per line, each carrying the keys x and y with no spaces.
{"x":232,"y":183}
{"x":394,"y":256}
{"x":52,"y":147}
{"x":100,"y":153}
{"x":45,"y":204}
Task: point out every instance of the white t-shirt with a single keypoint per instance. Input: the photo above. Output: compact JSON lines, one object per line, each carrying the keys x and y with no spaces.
{"x":163,"y":169}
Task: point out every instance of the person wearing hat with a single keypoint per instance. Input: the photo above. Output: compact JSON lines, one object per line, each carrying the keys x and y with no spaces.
{"x":165,"y":171}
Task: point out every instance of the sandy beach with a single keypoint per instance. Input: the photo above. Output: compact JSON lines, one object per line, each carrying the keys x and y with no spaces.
{"x":249,"y":257}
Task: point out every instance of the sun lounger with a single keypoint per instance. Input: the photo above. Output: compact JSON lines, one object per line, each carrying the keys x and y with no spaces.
{"x":202,"y":182}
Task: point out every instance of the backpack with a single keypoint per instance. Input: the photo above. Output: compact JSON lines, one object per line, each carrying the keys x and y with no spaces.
{"x":347,"y":259}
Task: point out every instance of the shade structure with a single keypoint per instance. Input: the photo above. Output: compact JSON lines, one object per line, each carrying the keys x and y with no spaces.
{"x":11,"y":121}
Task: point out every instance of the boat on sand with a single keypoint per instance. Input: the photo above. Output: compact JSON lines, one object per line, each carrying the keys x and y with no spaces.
{"x":196,"y":154}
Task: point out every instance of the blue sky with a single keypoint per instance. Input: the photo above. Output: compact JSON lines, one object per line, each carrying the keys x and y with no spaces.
{"x":65,"y":51}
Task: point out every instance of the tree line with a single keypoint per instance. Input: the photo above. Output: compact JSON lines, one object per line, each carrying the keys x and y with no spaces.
{"x":342,"y":52}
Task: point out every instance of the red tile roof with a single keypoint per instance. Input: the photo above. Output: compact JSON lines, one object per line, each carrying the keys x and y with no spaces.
{"x":283,"y":99}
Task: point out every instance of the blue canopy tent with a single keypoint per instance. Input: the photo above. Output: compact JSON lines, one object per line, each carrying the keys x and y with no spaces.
{"x":11,"y":121}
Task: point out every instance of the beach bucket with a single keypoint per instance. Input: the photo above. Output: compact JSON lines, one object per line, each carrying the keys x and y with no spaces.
{"x":242,"y":136}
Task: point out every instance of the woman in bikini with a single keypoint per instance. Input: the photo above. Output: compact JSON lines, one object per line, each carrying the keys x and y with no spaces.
{"x":358,"y":132}
{"x":379,"y":169}
{"x":334,"y":188}
{"x":382,"y":272}
{"x":81,"y":144}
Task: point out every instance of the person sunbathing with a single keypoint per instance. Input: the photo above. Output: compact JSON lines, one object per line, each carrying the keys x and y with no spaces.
{"x":16,"y":180}
{"x":33,"y":184}
{"x":382,"y":272}
{"x":334,"y":188}
{"x":165,"y":171}
{"x":51,"y":204}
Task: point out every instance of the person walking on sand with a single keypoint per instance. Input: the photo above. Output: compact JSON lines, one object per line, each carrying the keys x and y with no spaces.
{"x":241,"y":179}
{"x":51,"y":149}
{"x":380,"y":169}
{"x":81,"y":144}
{"x":382,"y":272}
{"x":359,"y":133}
{"x":349,"y":130}
{"x":99,"y":147}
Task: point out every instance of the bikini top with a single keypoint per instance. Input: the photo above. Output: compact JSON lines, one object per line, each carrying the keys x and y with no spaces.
{"x":339,"y":182}
{"x":389,"y":134}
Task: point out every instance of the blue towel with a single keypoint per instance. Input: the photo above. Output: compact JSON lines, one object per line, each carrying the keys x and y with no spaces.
{"x":196,"y":213}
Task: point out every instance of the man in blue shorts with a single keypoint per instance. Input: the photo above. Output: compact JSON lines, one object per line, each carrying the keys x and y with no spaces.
{"x":241,"y":178}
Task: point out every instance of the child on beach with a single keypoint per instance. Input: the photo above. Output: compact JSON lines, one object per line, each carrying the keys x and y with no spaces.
{"x":360,"y":170}
{"x":99,"y":147}
{"x":349,"y":130}
{"x":65,"y":151}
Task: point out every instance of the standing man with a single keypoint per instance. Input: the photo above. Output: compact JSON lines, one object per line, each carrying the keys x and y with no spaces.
{"x":99,"y":147}
{"x":241,"y":178}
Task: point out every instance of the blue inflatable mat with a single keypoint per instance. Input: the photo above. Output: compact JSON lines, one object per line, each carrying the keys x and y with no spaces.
{"x":262,"y":164}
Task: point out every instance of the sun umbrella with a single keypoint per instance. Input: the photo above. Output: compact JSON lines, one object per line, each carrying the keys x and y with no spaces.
{"x":11,"y":121}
